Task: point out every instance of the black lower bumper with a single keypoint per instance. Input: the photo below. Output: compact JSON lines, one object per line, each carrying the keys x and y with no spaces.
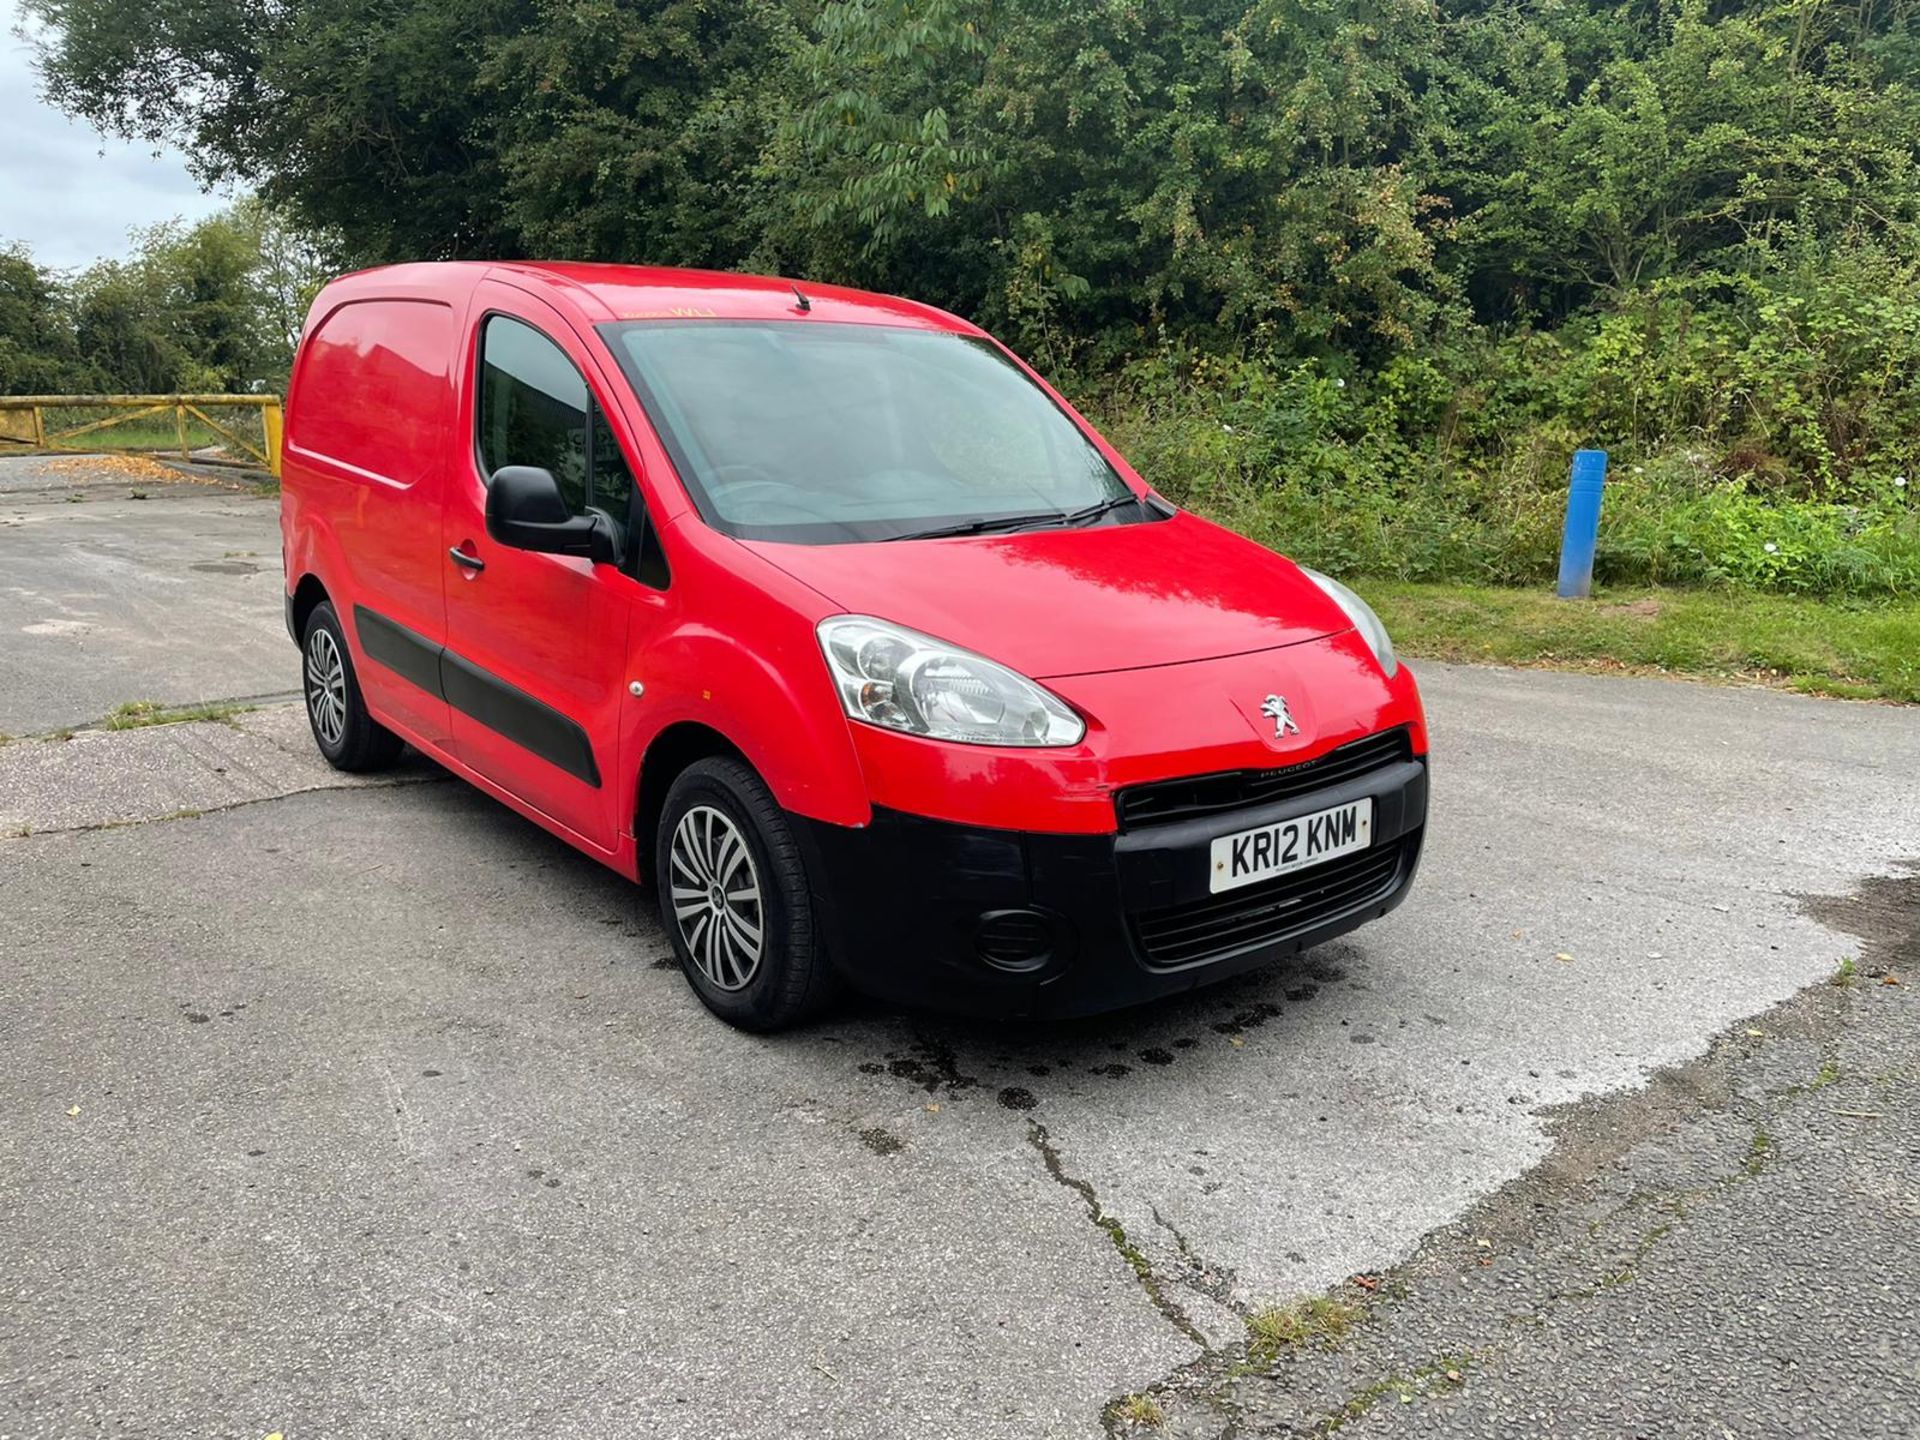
{"x":1004,"y":922}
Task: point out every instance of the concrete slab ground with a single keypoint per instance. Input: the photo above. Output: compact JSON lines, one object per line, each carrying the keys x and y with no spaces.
{"x":375,"y":1110}
{"x":96,"y":778}
{"x":421,"y":1012}
{"x":106,"y":598}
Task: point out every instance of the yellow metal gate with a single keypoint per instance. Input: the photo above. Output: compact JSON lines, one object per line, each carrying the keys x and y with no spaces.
{"x":25,"y":426}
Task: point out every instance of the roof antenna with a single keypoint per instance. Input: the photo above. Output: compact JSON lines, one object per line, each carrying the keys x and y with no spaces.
{"x":800,"y":302}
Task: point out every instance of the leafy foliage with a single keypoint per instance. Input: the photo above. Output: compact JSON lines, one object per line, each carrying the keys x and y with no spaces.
{"x":216,"y":306}
{"x":1357,"y":273}
{"x":38,"y":349}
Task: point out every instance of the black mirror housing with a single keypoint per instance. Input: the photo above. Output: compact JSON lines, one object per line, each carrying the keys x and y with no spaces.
{"x":526,"y":511}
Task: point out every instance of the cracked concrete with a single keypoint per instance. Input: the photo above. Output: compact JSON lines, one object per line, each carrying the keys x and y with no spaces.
{"x":96,"y":778}
{"x":1116,"y":1232}
{"x":1730,"y":1251}
{"x":395,"y":1104}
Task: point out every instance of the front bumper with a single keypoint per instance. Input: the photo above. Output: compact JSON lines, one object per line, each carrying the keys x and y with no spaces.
{"x":960,"y":917}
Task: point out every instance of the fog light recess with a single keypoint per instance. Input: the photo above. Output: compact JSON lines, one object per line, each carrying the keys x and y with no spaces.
{"x":1016,"y":941}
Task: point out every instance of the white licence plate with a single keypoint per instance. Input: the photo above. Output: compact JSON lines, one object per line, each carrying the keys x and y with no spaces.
{"x":1249,"y":855}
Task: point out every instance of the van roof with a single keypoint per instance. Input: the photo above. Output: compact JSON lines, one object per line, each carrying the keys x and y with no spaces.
{"x":598,"y":293}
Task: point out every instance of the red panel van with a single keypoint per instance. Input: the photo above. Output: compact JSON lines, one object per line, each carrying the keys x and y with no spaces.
{"x":824,"y":616}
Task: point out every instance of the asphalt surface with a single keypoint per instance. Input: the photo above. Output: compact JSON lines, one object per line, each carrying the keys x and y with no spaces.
{"x":334,"y":1108}
{"x":1732,"y":1250}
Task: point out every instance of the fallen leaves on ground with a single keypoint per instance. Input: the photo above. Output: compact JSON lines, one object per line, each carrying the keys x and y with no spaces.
{"x":132,"y":467}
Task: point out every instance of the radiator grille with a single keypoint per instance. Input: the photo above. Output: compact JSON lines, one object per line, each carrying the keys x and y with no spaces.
{"x":1163,"y":801}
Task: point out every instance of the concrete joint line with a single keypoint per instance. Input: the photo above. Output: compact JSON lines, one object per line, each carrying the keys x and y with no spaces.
{"x":199,"y":812}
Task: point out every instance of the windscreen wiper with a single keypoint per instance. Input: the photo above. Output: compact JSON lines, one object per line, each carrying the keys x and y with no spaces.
{"x":1080,"y":517}
{"x":980,"y":526}
{"x":1022,"y":522}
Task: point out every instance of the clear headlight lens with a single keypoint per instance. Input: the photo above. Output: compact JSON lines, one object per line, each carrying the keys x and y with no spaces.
{"x":1362,"y":616}
{"x":898,"y":678}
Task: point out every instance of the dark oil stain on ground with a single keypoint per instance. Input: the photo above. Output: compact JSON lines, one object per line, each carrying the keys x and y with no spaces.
{"x":931,"y":1064}
{"x":881,"y":1142}
{"x":1251,"y":1017}
{"x":933,"y":1069}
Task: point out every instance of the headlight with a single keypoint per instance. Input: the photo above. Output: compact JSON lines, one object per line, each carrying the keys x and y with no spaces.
{"x":1362,"y":616}
{"x":900,"y":679}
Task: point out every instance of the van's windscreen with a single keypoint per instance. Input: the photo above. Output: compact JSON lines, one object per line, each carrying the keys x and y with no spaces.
{"x":825,"y":433}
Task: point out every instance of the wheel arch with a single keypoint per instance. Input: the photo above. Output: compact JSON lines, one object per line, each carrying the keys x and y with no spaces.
{"x":307,"y":596}
{"x":667,"y":756}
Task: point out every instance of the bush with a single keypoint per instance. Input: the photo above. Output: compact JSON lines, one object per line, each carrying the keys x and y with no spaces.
{"x":1401,"y":476}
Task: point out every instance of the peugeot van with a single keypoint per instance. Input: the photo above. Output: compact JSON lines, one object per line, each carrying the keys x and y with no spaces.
{"x":824,"y":616}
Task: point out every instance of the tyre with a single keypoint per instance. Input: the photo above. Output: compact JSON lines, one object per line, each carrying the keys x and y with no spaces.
{"x":734,"y":899}
{"x":349,"y":737}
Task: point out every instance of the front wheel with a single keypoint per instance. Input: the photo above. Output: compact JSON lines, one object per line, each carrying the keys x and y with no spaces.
{"x":734,"y":899}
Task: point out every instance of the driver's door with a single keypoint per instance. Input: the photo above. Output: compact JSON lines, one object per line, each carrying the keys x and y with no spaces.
{"x":536,"y":643}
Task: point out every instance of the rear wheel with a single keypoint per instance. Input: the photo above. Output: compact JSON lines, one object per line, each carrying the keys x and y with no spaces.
{"x":349,"y":737}
{"x":734,"y":899}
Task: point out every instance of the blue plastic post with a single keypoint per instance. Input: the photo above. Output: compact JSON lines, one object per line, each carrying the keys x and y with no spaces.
{"x":1582,"y":535}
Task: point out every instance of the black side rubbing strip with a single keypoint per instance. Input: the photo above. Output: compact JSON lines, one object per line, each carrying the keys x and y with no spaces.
{"x":408,"y":654}
{"x":505,"y":709}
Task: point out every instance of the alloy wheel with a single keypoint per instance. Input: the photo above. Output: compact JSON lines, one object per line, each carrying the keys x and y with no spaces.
{"x":326,"y":687}
{"x":716,"y":897}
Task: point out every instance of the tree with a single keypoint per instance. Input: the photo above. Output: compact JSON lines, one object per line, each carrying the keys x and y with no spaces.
{"x":215,"y":306}
{"x":38,"y":352}
{"x":1601,"y":149}
{"x":1341,"y":181}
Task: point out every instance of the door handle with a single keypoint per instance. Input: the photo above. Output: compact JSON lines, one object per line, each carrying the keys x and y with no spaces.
{"x":465,"y":561}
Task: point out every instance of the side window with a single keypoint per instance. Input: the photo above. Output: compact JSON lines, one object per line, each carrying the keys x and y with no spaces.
{"x":535,"y":409}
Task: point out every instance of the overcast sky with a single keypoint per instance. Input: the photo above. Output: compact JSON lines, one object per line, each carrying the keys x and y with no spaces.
{"x":69,"y":194}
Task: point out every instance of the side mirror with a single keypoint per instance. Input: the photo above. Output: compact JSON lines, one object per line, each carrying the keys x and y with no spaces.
{"x":525,"y":510}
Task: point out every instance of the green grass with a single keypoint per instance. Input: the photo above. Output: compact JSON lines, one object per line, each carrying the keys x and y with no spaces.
{"x":143,"y":437}
{"x":138,"y":714}
{"x":1857,"y":650}
{"x":1141,"y":1410}
{"x":1283,"y":1327}
{"x":1442,"y":1375}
